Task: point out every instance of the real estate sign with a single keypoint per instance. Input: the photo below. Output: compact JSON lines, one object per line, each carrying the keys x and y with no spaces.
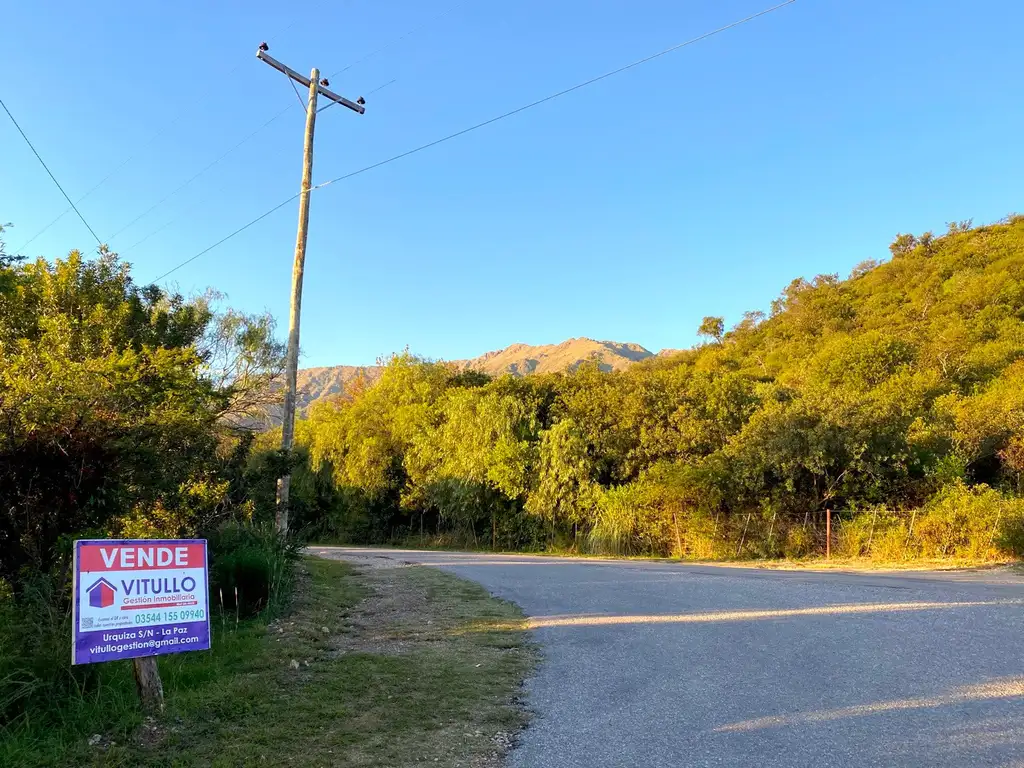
{"x":139,"y":597}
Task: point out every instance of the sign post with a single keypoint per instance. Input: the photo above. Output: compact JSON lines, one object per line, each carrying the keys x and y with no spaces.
{"x":138,"y":599}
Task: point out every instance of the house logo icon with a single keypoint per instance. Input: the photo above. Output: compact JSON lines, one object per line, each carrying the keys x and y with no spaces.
{"x":101,"y":594}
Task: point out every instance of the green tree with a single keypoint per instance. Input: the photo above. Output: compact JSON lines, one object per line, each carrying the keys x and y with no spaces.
{"x":712,"y":328}
{"x":109,"y":411}
{"x":565,"y":492}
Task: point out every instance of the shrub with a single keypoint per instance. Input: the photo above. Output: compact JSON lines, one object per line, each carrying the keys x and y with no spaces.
{"x":1010,"y":537}
{"x":799,"y":542}
{"x":971,"y":522}
{"x":251,"y":566}
{"x":705,"y":538}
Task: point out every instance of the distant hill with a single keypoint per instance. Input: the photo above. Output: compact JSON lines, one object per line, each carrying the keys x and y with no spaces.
{"x":517,"y":359}
{"x":315,"y":383}
{"x":520,"y":359}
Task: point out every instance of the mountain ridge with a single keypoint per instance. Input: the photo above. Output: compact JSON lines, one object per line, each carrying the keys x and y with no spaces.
{"x":518,"y":359}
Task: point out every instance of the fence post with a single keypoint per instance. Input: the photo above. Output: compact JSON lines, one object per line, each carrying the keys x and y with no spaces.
{"x":995,"y":528}
{"x":871,"y":535}
{"x":828,"y":533}
{"x":910,"y":532}
{"x":679,"y":538}
{"x":744,"y":536}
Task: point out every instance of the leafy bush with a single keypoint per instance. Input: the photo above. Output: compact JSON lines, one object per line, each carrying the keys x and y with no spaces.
{"x":251,"y":566}
{"x":798,"y":542}
{"x":970,"y":522}
{"x":114,"y":404}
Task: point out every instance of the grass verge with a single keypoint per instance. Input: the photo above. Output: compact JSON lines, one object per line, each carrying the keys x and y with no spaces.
{"x":370,"y":668}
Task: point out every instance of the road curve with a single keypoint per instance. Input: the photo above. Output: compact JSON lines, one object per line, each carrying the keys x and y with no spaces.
{"x":652,"y":665}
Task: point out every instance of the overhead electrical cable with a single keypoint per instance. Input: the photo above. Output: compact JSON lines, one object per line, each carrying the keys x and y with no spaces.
{"x":214,"y":89}
{"x":50,"y":173}
{"x":490,"y":121}
{"x":388,"y":44}
{"x":278,"y":115}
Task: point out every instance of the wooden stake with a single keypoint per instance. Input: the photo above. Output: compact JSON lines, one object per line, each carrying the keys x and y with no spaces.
{"x":679,"y":538}
{"x":995,"y":528}
{"x":828,"y":533}
{"x":147,"y":680}
{"x":910,"y":532}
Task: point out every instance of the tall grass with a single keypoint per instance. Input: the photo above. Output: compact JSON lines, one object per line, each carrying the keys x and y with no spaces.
{"x":960,"y":522}
{"x":251,"y":567}
{"x":39,"y":688}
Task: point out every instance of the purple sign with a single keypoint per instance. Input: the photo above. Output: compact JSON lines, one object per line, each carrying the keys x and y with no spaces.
{"x":140,"y":597}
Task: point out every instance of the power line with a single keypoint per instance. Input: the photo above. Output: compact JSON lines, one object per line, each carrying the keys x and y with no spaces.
{"x":66,"y":210}
{"x":163,"y":129}
{"x":554,"y":96}
{"x":197,"y":175}
{"x":381,"y":87}
{"x":49,"y":172}
{"x":279,"y":114}
{"x":190,"y":208}
{"x":368,"y":93}
{"x":492,"y":120}
{"x":216,"y":195}
{"x":228,"y":237}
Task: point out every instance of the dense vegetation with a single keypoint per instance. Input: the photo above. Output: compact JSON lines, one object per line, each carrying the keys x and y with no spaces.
{"x":117,"y":411}
{"x":895,"y":397}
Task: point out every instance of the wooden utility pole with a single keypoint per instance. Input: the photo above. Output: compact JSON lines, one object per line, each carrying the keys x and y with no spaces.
{"x":316,"y":87}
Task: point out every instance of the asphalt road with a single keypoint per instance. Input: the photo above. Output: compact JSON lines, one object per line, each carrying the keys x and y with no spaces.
{"x":658,"y":664}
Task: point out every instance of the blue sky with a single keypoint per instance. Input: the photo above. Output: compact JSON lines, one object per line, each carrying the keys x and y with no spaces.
{"x":697,"y":184}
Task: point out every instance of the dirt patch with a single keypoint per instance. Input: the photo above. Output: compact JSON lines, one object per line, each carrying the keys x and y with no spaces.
{"x":397,"y":617}
{"x":475,"y":646}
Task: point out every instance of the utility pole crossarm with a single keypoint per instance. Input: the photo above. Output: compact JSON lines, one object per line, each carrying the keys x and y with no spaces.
{"x":268,"y":59}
